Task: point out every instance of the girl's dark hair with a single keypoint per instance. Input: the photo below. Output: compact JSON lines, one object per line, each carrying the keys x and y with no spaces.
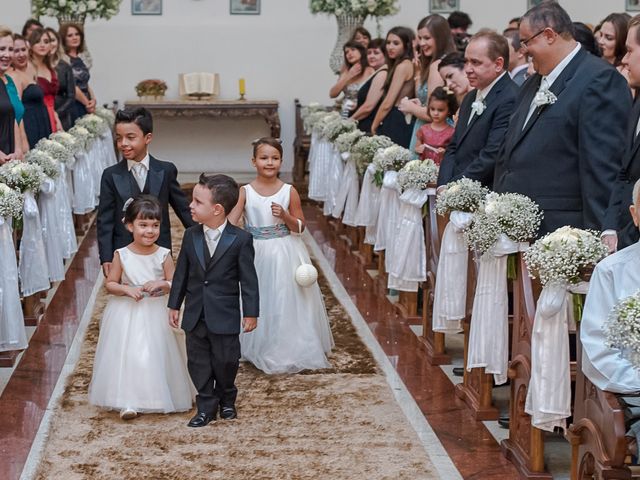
{"x":362,"y":31}
{"x":439,"y":29}
{"x":620,"y":22}
{"x":272,"y":142}
{"x":361,"y":49}
{"x":64,"y":28}
{"x":439,"y":93}
{"x":144,"y":207}
{"x":406,"y":37}
{"x":453,"y":59}
{"x":378,"y":43}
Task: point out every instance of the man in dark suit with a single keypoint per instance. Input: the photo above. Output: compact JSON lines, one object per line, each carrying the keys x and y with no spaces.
{"x":137,"y":172}
{"x":620,"y":231}
{"x":484,"y":113}
{"x":518,"y":64}
{"x":214,"y":269}
{"x":566,"y":136}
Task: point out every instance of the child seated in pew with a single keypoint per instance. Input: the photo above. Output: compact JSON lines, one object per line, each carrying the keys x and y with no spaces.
{"x":614,"y":278}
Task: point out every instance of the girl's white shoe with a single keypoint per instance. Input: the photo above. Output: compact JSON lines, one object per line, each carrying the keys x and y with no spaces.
{"x":128,"y":414}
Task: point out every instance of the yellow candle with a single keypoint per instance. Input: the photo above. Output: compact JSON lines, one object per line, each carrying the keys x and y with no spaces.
{"x":241,"y":86}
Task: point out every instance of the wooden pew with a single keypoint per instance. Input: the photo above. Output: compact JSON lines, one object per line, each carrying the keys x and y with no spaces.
{"x":301,"y":145}
{"x":598,"y":445}
{"x":525,"y":445}
{"x":434,"y":343}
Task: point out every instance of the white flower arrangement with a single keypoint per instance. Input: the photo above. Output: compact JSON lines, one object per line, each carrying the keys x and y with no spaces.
{"x":22,"y":176}
{"x":622,"y":328}
{"x":363,"y":8}
{"x":324,"y":119}
{"x":392,"y":158}
{"x":334,"y":127}
{"x":512,"y":214}
{"x":49,"y":165}
{"x":95,"y":124}
{"x":56,"y":150}
{"x":11,"y":202}
{"x":364,"y":150}
{"x":77,"y":9}
{"x":464,"y":195}
{"x":83,"y":136}
{"x":417,"y":175}
{"x":561,"y":256}
{"x":310,"y":119}
{"x":345,"y":141}
{"x":68,"y":141}
{"x":107,"y":115}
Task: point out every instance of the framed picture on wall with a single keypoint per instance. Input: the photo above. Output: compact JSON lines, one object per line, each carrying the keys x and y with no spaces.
{"x":146,"y":7}
{"x":444,"y":6}
{"x":633,"y":5}
{"x":244,"y":7}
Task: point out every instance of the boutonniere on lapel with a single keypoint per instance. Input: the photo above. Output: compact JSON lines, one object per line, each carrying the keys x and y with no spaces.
{"x":478,"y":107}
{"x":544,"y":97}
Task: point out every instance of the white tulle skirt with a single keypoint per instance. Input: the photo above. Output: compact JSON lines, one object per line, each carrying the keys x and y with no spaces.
{"x":293,"y":331}
{"x":140,"y":360}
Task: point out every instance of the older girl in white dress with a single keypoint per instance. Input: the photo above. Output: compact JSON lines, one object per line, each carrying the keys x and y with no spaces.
{"x":293,"y":332}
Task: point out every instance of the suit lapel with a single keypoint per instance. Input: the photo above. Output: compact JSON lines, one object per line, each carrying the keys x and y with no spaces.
{"x":634,"y":141}
{"x":198,"y":242}
{"x":226,"y":240}
{"x":497,"y":88}
{"x":465,"y":113}
{"x":155,"y":177}
{"x":122,"y":179}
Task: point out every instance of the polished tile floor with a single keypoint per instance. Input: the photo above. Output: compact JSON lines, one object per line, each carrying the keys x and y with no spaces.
{"x":472,"y":448}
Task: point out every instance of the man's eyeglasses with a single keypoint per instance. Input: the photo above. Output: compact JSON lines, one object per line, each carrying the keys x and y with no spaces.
{"x":525,"y":43}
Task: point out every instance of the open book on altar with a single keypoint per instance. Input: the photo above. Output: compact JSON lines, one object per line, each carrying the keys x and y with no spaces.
{"x":199,"y":84}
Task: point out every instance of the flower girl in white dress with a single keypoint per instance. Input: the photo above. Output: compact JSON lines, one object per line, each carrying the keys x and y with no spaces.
{"x":293,"y":332}
{"x":140,"y":364}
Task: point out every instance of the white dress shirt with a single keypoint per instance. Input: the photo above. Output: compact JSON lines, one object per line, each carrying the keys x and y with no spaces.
{"x":547,"y":80}
{"x":212,"y":236}
{"x":141,"y":178}
{"x":614,"y":278}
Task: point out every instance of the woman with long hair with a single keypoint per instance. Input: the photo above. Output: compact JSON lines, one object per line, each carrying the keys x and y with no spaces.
{"x":72,"y":36}
{"x":389,"y":120}
{"x":355,"y":73}
{"x":39,"y":52}
{"x":451,"y":69}
{"x":372,"y":90}
{"x":434,"y":42}
{"x":612,"y":37}
{"x":65,"y":96}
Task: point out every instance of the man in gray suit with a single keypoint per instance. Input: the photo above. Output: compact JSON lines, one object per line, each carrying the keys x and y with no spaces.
{"x":518,"y":63}
{"x":567,"y":134}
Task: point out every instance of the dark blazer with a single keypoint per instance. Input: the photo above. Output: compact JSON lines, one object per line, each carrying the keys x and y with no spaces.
{"x":66,"y":95}
{"x":520,"y":77}
{"x":567,"y":156}
{"x":475,"y":146}
{"x":618,"y":217}
{"x":212,"y":287}
{"x":118,"y":185}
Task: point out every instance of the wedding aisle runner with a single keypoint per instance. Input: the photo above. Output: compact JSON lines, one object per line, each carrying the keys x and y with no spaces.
{"x":339,"y":423}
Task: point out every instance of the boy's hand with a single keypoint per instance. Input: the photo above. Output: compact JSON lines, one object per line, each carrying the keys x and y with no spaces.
{"x":106,"y":266}
{"x":174,"y":318}
{"x":134,"y":292}
{"x":249,"y":324}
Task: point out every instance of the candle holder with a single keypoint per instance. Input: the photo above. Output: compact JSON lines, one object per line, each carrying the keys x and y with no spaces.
{"x":242,"y":99}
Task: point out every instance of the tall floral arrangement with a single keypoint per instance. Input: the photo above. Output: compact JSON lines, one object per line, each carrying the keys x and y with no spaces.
{"x":76,"y":9}
{"x":361,"y":8}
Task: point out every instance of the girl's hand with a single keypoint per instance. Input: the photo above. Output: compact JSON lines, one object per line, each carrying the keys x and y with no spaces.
{"x":441,"y":150}
{"x":419,"y":148}
{"x":355,"y":70}
{"x":155,"y":287}
{"x":277,"y":210}
{"x":134,"y":292}
{"x":406,"y":106}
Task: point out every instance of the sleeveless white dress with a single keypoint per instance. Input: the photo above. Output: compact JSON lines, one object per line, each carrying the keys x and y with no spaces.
{"x":140,"y":361}
{"x":293,"y":332}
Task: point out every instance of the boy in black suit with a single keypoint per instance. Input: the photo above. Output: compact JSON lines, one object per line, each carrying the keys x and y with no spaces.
{"x":215,"y":267}
{"x":137,"y":172}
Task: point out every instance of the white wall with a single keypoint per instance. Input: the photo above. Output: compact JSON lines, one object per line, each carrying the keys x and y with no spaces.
{"x":282,"y":53}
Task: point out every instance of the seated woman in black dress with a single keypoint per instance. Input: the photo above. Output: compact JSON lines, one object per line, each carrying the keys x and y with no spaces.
{"x":9,"y":136}
{"x":66,"y":95}
{"x":372,"y":90}
{"x":389,"y":120}
{"x":72,"y":36}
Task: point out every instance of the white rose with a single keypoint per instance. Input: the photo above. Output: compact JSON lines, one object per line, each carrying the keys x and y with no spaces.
{"x":92,"y":5}
{"x":62,"y":3}
{"x":82,"y":8}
